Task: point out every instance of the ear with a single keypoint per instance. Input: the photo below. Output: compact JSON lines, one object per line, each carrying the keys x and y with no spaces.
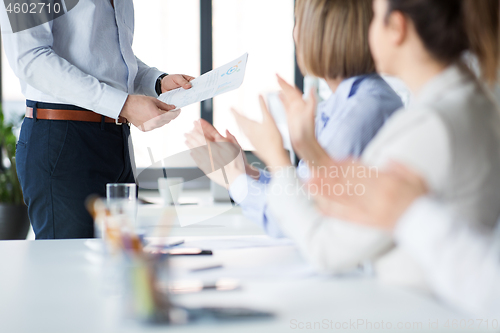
{"x":397,"y":23}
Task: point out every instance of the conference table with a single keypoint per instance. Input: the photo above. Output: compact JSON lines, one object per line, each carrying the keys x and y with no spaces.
{"x":65,"y":286}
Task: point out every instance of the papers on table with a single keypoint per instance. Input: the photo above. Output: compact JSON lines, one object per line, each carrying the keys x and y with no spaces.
{"x":221,"y":80}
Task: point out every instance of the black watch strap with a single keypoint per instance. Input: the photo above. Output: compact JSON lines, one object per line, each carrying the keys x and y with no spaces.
{"x":158,"y":83}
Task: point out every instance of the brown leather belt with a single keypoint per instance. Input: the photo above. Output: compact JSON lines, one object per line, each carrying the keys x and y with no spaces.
{"x":73,"y":115}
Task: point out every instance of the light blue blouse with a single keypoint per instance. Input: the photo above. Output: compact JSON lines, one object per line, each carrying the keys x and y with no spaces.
{"x":345,"y":124}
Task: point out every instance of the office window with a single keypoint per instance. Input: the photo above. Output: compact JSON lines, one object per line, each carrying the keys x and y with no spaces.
{"x":167,"y":36}
{"x":264,"y":29}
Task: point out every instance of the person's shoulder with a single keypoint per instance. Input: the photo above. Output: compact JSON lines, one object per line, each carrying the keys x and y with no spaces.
{"x":376,"y":94}
{"x":418,"y":130}
{"x":375,"y":99}
{"x":417,"y":118}
{"x":466,"y":107}
{"x":374,"y":84}
{"x":419,"y":139}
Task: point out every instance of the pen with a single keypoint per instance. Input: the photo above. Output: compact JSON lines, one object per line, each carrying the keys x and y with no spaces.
{"x":202,"y":269}
{"x":166,"y":246}
{"x":188,"y":287}
{"x":175,"y":244}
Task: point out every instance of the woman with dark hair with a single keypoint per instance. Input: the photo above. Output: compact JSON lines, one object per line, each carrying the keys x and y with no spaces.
{"x":449,"y":136}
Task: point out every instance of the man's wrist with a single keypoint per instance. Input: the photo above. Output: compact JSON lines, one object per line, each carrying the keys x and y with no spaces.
{"x":112,"y":102}
{"x":123,"y":112}
{"x":158,"y":85}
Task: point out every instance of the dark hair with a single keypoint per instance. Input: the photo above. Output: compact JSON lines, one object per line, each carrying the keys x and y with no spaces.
{"x":450,"y":27}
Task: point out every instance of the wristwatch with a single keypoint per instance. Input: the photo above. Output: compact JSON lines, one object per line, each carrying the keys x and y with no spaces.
{"x":158,"y":83}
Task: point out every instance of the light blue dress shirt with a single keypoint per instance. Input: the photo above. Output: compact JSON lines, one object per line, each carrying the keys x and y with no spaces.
{"x":83,"y":58}
{"x":345,"y":124}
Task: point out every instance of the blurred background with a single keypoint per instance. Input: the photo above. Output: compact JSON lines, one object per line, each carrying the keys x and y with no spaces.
{"x":193,"y":37}
{"x":169,"y":38}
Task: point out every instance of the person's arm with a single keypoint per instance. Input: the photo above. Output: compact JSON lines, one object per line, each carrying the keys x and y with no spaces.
{"x":145,"y":81}
{"x":34,"y":61}
{"x":263,"y":176}
{"x":301,"y":123}
{"x":331,"y":245}
{"x":462,"y":265}
{"x":251,"y":195}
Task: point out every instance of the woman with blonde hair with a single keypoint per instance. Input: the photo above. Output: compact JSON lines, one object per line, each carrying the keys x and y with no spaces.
{"x":331,"y":39}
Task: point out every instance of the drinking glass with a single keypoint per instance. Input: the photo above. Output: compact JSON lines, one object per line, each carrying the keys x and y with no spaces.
{"x":121,"y":200}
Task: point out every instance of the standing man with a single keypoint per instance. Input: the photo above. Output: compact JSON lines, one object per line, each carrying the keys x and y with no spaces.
{"x":83,"y":86}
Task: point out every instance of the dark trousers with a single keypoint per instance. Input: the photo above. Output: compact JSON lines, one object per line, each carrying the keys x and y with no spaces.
{"x":60,"y":163}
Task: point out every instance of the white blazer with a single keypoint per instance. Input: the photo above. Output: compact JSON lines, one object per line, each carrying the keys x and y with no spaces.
{"x":450,"y":134}
{"x":461,"y":265}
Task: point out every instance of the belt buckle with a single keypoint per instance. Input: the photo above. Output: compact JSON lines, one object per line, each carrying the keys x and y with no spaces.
{"x":124,"y":121}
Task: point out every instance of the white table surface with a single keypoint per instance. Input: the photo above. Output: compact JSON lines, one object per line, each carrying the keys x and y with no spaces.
{"x":58,"y":286}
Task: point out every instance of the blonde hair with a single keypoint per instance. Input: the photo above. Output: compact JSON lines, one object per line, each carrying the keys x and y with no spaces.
{"x":332,"y":37}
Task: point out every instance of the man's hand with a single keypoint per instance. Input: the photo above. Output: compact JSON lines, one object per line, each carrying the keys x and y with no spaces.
{"x":174,"y":81}
{"x":148,"y":113}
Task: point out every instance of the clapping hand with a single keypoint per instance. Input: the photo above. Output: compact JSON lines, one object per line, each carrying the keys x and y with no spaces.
{"x":366,"y":195}
{"x":300,"y":114}
{"x":213,"y":152}
{"x":265,"y":137}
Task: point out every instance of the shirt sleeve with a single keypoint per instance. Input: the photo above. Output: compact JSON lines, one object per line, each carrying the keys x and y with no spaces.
{"x":251,"y":195}
{"x":331,"y":245}
{"x":461,"y":265}
{"x":145,"y":81}
{"x":34,"y":61}
{"x":265,"y":177}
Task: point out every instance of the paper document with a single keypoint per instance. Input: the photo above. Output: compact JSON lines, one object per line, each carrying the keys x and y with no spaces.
{"x":221,"y":80}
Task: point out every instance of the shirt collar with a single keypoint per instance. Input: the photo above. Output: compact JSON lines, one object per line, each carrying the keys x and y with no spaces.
{"x":341,"y":95}
{"x":345,"y":87}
